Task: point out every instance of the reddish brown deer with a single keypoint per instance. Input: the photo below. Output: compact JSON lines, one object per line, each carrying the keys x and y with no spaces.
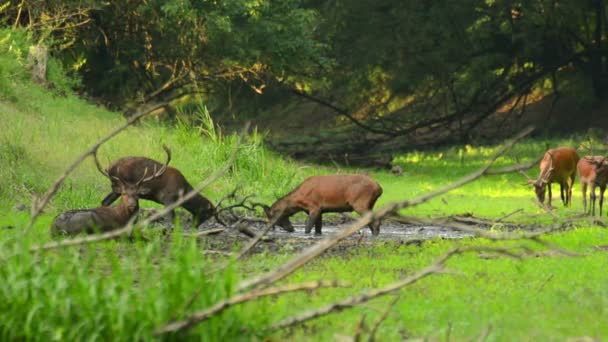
{"x":593,"y":172}
{"x":324,"y":194}
{"x":164,"y":189}
{"x":104,"y":218}
{"x":557,"y":166}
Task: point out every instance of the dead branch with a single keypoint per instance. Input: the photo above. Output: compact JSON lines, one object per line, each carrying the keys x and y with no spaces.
{"x":323,"y":245}
{"x":389,"y":308}
{"x":241,"y":298}
{"x":205,"y":233}
{"x":131,"y":225}
{"x":39,"y":205}
{"x":504,"y":217}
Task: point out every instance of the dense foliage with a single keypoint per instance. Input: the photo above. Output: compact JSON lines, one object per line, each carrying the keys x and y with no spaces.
{"x":390,"y":67}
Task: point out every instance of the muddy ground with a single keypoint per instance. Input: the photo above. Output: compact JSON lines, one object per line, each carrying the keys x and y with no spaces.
{"x":279,"y":239}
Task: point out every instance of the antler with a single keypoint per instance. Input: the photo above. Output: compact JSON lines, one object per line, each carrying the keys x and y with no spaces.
{"x":156,"y":173}
{"x":98,"y":164}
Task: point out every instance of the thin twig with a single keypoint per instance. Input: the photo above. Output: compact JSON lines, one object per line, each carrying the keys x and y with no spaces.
{"x":383,"y":316}
{"x":241,"y":298}
{"x":504,"y":217}
{"x":323,"y":245}
{"x":131,"y":225}
{"x":39,"y":205}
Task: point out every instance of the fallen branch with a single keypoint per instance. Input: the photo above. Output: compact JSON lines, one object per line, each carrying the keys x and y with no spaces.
{"x":323,"y":245}
{"x":241,"y":298}
{"x":131,"y":225}
{"x":38,"y":205}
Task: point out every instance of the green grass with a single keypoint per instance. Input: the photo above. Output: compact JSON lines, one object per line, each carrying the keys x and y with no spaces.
{"x":122,"y":290}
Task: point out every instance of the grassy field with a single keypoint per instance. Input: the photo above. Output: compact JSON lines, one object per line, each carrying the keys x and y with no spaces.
{"x":122,"y":290}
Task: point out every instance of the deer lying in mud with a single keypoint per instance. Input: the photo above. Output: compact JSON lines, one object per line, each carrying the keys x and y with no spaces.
{"x":557,"y":166}
{"x":324,"y":194}
{"x":104,"y":218}
{"x":164,"y":189}
{"x":593,"y":171}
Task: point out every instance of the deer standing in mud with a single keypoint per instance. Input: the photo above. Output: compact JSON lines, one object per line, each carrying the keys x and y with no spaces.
{"x":325,"y":194}
{"x":557,"y":166}
{"x":105,"y":218}
{"x":593,"y":172}
{"x":165,"y":189}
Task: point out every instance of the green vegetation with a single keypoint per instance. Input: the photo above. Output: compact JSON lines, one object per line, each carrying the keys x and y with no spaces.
{"x":122,"y":290}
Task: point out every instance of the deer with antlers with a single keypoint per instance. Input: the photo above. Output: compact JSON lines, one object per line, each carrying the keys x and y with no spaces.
{"x":557,"y":166}
{"x":105,"y":218}
{"x":165,"y":185}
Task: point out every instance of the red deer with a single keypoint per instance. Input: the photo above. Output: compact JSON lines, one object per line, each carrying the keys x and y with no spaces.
{"x":593,"y":171}
{"x":324,"y":194}
{"x":557,"y":166}
{"x":165,"y":189}
{"x":104,"y":218}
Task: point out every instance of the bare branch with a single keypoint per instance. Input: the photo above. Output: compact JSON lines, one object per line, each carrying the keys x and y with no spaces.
{"x":241,"y":298}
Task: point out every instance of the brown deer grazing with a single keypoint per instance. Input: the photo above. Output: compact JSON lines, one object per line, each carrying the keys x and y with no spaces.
{"x":593,"y":171}
{"x":164,"y":189}
{"x":557,"y":166}
{"x":324,"y":194}
{"x":101,"y":219}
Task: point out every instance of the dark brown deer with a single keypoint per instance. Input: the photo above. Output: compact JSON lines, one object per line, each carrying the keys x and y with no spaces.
{"x":104,"y":218}
{"x":593,"y":172}
{"x":165,"y":189}
{"x":557,"y":166}
{"x":324,"y":194}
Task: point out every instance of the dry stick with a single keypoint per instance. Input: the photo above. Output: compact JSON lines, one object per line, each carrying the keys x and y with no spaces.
{"x":241,"y":298}
{"x":323,"y":245}
{"x":131,"y":226}
{"x":372,"y":334}
{"x":504,"y":217}
{"x":39,"y":205}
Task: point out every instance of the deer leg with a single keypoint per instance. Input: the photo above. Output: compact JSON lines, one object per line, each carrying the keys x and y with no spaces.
{"x":571,"y":185}
{"x":592,"y":199}
{"x":319,"y":224}
{"x":549,"y":189}
{"x":374,"y":226}
{"x":563,"y":189}
{"x":109,"y":199}
{"x":584,"y":191}
{"x":313,"y":216}
{"x":602,"y":189}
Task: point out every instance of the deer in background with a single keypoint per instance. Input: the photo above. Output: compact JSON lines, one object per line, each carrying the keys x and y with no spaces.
{"x":324,"y":194}
{"x":593,"y":172}
{"x":165,"y":189}
{"x":557,"y":166}
{"x":105,"y":218}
